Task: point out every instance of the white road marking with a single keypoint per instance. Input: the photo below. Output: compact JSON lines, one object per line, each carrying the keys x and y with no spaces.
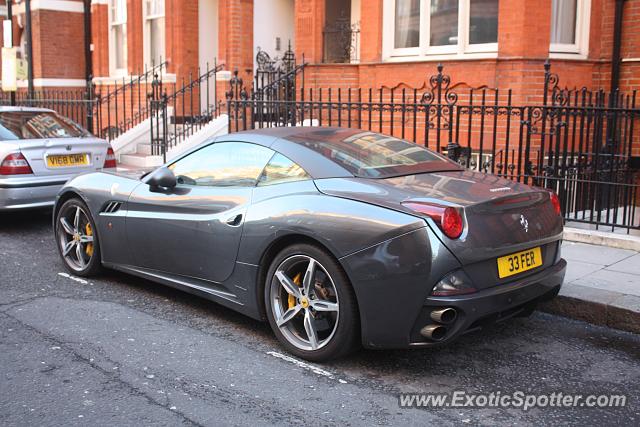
{"x":304,"y":365}
{"x":74,"y":278}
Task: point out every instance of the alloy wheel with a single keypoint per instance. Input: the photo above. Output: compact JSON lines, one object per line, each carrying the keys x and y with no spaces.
{"x":75,"y":237}
{"x":304,"y":302}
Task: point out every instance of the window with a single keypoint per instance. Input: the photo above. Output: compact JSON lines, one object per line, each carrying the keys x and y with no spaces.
{"x":223,"y":164}
{"x":570,"y":26}
{"x":446,"y":27}
{"x":37,"y":125}
{"x":407,"y":24}
{"x":118,"y":36}
{"x":154,"y":30}
{"x":483,"y":22}
{"x":373,"y":155}
{"x":280,"y":169}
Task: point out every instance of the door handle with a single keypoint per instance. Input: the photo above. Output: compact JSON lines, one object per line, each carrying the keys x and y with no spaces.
{"x":235,"y":221}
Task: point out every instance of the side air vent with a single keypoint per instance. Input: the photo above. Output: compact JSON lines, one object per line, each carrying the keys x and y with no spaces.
{"x":112,"y":207}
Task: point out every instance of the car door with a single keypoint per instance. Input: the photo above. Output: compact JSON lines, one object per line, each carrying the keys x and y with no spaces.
{"x":194,"y":229}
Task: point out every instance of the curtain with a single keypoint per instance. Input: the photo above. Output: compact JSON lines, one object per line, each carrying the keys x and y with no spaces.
{"x":563,"y":21}
{"x":407,"y":23}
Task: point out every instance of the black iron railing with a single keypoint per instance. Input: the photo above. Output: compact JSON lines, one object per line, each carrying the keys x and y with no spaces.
{"x":78,"y":105}
{"x":106,"y":110}
{"x":276,"y":78}
{"x":187,"y":108}
{"x":124,"y":104}
{"x":578,"y":142}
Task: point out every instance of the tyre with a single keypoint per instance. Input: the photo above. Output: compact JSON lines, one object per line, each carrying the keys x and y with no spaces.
{"x":310,"y":304}
{"x":77,"y":238}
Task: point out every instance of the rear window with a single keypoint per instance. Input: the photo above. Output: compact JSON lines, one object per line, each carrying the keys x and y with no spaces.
{"x":16,"y":125}
{"x":373,"y":155}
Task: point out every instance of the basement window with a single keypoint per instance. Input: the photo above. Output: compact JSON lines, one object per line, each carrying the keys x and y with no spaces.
{"x":415,"y":29}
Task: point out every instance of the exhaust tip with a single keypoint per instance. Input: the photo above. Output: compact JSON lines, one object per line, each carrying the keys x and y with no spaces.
{"x":444,"y":315}
{"x":434,"y":332}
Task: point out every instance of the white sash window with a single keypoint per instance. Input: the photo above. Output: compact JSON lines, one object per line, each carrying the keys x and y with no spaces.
{"x":570,"y":26}
{"x":118,"y":37}
{"x":154,"y":32}
{"x":420,"y":28}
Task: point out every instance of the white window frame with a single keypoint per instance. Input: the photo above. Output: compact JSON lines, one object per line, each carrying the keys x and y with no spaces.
{"x":112,"y":41}
{"x":146,"y":36}
{"x":579,"y":49}
{"x":462,"y":50}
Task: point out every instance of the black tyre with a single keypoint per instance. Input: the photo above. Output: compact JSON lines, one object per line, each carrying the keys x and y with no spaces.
{"x":77,"y":238}
{"x":310,"y":304}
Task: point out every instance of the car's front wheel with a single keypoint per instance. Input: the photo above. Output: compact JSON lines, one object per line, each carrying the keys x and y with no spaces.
{"x":77,"y":238}
{"x":310,"y":304}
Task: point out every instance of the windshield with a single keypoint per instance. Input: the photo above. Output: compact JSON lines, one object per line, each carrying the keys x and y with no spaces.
{"x":373,"y":155}
{"x":16,"y":125}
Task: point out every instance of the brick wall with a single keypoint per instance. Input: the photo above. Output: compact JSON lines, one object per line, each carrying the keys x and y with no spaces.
{"x":630,"y":49}
{"x":523,"y":46}
{"x":235,"y":36}
{"x":100,"y":39}
{"x":58,"y":42}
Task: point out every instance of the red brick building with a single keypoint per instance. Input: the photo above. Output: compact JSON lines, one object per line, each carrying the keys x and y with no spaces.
{"x":481,"y":42}
{"x":57,"y":41}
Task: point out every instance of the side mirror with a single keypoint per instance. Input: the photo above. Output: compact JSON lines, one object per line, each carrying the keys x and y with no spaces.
{"x":161,"y":177}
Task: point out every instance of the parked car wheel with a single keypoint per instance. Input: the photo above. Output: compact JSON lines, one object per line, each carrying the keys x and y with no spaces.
{"x":310,"y":304}
{"x":77,"y":238}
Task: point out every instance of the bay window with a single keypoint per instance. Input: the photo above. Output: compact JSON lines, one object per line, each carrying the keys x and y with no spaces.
{"x":118,"y":36}
{"x":154,"y":32}
{"x":415,"y":28}
{"x":570,"y":26}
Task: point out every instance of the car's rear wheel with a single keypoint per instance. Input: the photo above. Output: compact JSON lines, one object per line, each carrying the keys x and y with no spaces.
{"x":77,"y":238}
{"x":310,"y":304}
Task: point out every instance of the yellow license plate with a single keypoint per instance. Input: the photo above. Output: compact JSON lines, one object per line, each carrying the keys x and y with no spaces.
{"x":519,"y":262}
{"x":67,"y":160}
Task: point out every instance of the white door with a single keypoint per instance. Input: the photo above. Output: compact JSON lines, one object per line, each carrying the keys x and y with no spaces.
{"x":273,"y":27}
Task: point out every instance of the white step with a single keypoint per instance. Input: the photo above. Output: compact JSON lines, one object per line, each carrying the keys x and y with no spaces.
{"x":144,"y":148}
{"x":141,"y":160}
{"x":216,"y":127}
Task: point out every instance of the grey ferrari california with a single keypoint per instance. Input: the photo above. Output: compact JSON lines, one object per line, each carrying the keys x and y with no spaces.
{"x":337,"y":237}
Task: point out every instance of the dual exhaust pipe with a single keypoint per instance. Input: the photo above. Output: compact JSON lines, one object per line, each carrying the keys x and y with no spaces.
{"x":437,"y":332}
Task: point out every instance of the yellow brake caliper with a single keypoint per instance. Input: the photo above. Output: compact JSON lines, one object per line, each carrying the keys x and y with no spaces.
{"x":89,"y":248}
{"x":292,"y":300}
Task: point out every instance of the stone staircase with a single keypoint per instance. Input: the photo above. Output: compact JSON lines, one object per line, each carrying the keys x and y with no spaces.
{"x":139,"y":152}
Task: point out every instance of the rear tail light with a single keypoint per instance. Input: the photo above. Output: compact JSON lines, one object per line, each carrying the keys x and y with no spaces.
{"x":110,"y":159}
{"x":448,"y":218}
{"x":15,"y":164}
{"x":555,"y":201}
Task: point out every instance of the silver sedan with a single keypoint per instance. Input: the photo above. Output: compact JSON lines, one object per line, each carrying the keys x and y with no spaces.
{"x":40,"y":151}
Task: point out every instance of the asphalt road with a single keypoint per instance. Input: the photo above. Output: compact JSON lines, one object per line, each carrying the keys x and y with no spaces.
{"x":117,"y":350}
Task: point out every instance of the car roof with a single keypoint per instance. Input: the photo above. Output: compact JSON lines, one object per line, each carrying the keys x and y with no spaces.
{"x":7,"y":108}
{"x":288,"y":142}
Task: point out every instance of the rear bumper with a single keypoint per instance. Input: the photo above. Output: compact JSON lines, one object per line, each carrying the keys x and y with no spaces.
{"x":489,"y":305}
{"x":25,"y":193}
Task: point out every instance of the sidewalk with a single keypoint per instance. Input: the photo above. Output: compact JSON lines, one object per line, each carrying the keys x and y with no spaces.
{"x":602,"y":286}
